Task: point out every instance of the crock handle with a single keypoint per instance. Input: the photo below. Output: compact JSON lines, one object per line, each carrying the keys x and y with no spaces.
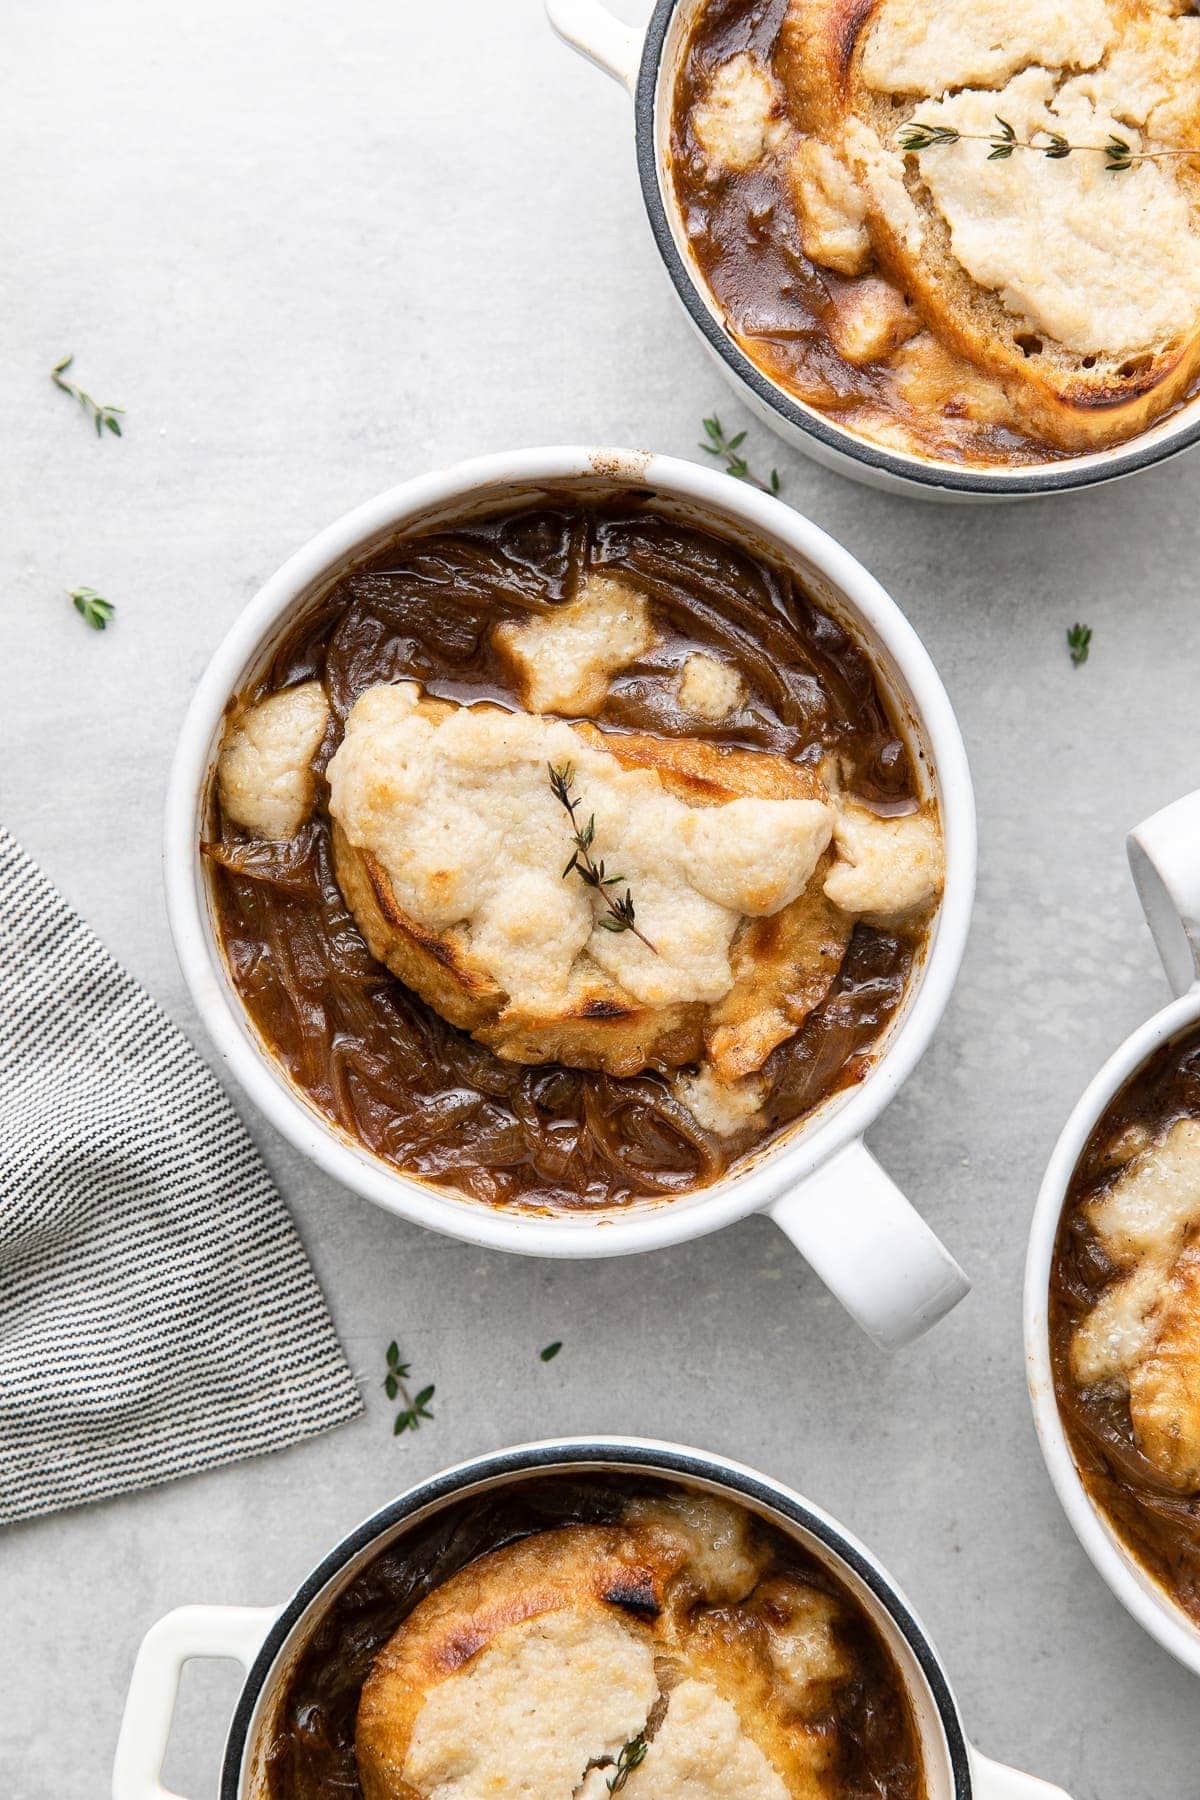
{"x":872,"y":1250}
{"x":1164,"y":859}
{"x":227,"y":1631}
{"x":589,"y":27}
{"x":995,"y":1781}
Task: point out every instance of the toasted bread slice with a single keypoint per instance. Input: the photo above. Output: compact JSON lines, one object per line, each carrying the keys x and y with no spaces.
{"x":1075,"y":287}
{"x":525,"y":1675}
{"x":782,"y":963}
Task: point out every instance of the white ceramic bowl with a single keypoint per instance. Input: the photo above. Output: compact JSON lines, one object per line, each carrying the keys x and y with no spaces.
{"x":645,"y":63}
{"x":818,"y":1181}
{"x":266,"y":1640}
{"x":1164,"y":856}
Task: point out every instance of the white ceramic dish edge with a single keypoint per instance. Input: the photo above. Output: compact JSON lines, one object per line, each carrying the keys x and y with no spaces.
{"x":1164,"y":855}
{"x":821,"y":1184}
{"x":261,"y":1638}
{"x":635,"y":59}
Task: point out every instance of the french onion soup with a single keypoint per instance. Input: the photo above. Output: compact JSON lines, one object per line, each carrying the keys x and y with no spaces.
{"x":968,"y":230}
{"x":1125,"y":1318}
{"x":581,"y":1638}
{"x":565,"y":857}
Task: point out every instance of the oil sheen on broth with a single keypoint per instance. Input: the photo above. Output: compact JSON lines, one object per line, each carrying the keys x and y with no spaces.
{"x":377,"y":1059}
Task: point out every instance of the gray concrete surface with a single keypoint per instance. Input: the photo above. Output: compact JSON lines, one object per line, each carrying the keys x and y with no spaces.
{"x":313,"y":250}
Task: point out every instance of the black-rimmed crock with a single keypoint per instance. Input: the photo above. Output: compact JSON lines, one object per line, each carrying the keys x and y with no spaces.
{"x":645,"y":64}
{"x":267,"y":1641}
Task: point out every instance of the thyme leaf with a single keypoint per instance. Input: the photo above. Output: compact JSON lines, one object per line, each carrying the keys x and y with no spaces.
{"x":1079,"y":642}
{"x":620,"y":910}
{"x":632,"y":1753}
{"x":730,"y":450}
{"x":920,"y":134}
{"x":395,"y":1385}
{"x":104,"y":418}
{"x":551,"y":1351}
{"x":92,"y":607}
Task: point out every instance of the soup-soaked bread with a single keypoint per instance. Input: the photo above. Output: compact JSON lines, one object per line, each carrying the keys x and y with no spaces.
{"x":531,"y":1670}
{"x":1143,"y":1335}
{"x":1076,"y":288}
{"x":450,"y":847}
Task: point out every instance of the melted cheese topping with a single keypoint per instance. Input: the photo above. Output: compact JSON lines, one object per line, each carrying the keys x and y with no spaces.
{"x":701,"y":1751}
{"x":887,"y":868}
{"x":1164,"y":1388}
{"x":460,"y":814}
{"x":724,"y":1560}
{"x":1078,"y":252}
{"x":830,"y":207}
{"x":565,"y":659}
{"x":978,"y":42}
{"x":265,"y":771}
{"x":525,"y":1717}
{"x":722,"y":1107}
{"x":1144,"y":1332}
{"x":737,"y":122}
{"x":709,"y":688}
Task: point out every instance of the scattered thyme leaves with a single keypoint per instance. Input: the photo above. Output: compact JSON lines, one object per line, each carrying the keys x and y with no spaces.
{"x":104,"y":418}
{"x":92,"y":607}
{"x":729,"y":449}
{"x":551,"y":1351}
{"x":632,"y":1753}
{"x":1118,"y":155}
{"x":1079,"y":642}
{"x":621,"y":915}
{"x":395,"y":1387}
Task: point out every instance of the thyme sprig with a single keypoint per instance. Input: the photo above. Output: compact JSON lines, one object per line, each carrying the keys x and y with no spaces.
{"x":632,"y":1753}
{"x":92,"y":607}
{"x":394,"y":1386}
{"x":621,"y":915}
{"x":1079,"y":643}
{"x":919,"y":135}
{"x":104,"y":418}
{"x":730,"y":449}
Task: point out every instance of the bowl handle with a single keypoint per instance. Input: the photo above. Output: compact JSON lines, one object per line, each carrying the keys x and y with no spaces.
{"x":1164,"y":859}
{"x":995,"y":1781}
{"x":872,"y":1250}
{"x":590,"y":28}
{"x":229,"y":1631}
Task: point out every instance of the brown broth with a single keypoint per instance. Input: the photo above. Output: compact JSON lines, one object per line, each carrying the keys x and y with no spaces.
{"x":1160,"y":1525}
{"x":779,"y":306}
{"x":310,"y":1752}
{"x":378,"y":1060}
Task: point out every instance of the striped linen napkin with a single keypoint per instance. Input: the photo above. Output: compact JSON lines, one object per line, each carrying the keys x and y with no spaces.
{"x":158,"y":1314}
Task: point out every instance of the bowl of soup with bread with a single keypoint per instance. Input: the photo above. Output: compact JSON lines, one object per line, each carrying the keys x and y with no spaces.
{"x":588,"y":1617}
{"x":569,"y":852}
{"x":937,"y":243}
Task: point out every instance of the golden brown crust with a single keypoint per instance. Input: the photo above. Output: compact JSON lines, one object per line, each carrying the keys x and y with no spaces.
{"x":782,"y":965}
{"x":589,"y":1570}
{"x":655,"y":1576}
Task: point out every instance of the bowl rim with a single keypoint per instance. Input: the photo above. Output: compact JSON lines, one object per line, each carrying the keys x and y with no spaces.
{"x":1089,"y":469}
{"x":598,"y":1454}
{"x":1137,"y":1590}
{"x":647,"y":1226}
